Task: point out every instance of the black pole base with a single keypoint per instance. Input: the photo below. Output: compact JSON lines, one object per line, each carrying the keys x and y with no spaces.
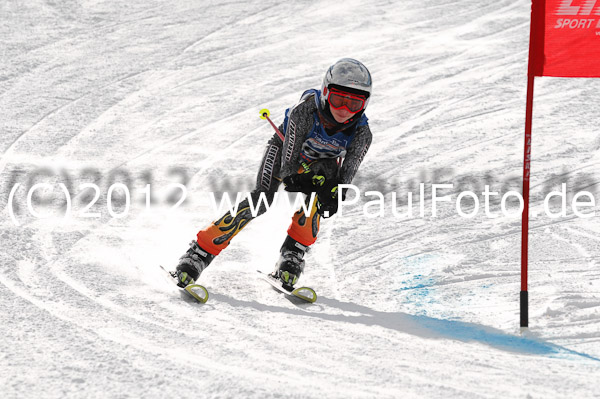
{"x":524,"y":309}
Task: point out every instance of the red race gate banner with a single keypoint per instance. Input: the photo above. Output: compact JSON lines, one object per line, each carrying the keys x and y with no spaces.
{"x":565,"y":38}
{"x":564,"y":42}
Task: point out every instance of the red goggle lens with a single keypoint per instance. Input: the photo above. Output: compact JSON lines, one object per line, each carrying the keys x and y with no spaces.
{"x":340,"y":99}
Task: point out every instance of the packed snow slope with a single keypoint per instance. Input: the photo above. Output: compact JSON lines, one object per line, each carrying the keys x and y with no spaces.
{"x":126,"y":94}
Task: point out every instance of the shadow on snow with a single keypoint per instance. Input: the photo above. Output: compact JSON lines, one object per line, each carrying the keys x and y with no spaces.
{"x":422,"y":326}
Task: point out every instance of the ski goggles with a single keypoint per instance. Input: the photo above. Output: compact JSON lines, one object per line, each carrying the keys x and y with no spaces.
{"x":341,"y":99}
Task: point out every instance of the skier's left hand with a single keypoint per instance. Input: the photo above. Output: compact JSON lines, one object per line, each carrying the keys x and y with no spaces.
{"x":327,"y":199}
{"x":306,"y":182}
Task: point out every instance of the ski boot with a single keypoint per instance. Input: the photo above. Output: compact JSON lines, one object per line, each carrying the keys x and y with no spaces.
{"x":290,"y":265}
{"x":191,"y":264}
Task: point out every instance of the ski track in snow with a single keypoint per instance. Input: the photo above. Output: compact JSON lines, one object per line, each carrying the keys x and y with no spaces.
{"x":412,"y":307}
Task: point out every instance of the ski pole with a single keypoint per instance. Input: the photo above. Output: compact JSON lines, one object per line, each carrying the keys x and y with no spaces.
{"x":264,"y":114}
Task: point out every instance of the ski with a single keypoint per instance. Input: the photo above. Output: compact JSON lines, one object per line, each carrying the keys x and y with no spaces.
{"x":305,"y":293}
{"x":196,"y":291}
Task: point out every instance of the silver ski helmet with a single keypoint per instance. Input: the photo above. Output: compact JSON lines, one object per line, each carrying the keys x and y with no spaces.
{"x":349,"y":75}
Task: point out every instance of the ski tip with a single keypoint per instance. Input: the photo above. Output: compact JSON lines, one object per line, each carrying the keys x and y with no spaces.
{"x":308,"y":294}
{"x":197,"y":292}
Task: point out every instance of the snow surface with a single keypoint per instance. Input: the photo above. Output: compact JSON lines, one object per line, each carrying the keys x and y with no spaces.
{"x":162,"y":92}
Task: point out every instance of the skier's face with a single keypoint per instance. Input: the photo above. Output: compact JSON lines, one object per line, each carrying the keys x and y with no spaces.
{"x":341,"y":115}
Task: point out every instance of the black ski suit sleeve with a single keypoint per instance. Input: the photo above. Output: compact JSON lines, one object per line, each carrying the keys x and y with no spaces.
{"x":355,"y":154}
{"x":299,"y":123}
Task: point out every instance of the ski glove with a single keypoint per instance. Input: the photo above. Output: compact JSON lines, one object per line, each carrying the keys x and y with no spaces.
{"x":306,"y":182}
{"x":327,"y":199}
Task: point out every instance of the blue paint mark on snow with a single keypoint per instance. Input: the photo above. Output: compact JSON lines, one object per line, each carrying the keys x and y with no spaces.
{"x":417,"y":286}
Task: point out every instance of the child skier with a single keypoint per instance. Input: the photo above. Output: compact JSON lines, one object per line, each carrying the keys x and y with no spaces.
{"x":320,"y":144}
